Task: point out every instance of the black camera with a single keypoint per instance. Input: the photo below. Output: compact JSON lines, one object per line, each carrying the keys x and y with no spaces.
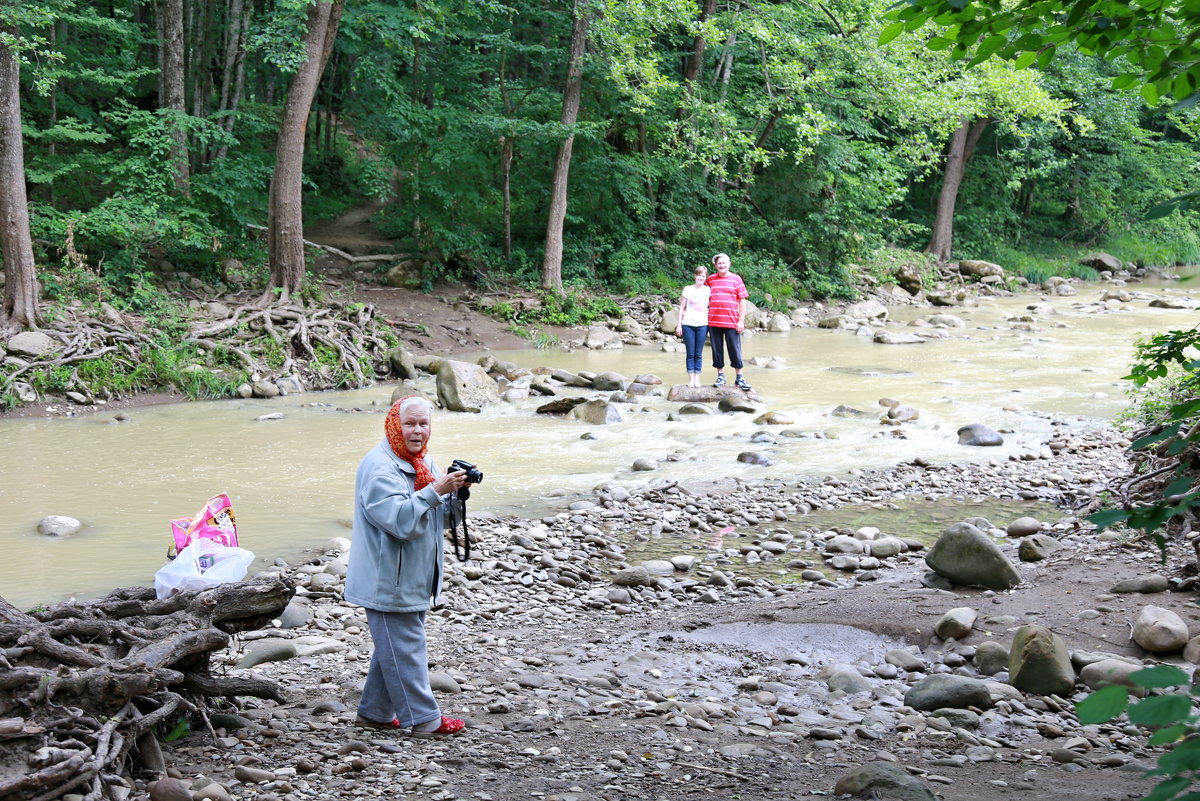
{"x":474,"y":475}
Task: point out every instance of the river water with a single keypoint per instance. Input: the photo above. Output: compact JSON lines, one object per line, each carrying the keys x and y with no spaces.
{"x":291,"y":479}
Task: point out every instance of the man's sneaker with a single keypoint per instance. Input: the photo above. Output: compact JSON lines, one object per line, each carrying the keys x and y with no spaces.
{"x":720,"y":382}
{"x":741,"y":384}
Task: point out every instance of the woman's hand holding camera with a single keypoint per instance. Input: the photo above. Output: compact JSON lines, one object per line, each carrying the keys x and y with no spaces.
{"x":450,"y":482}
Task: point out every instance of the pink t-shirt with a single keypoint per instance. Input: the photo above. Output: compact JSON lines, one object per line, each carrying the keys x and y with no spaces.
{"x":725,"y":301}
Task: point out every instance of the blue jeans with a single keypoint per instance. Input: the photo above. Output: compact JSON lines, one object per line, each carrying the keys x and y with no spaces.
{"x":693,"y":341}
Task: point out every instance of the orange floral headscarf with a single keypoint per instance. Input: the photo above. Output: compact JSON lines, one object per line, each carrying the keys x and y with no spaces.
{"x":395,"y":438}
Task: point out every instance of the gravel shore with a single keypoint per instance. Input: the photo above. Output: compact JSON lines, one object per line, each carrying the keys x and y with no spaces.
{"x":583,"y":674}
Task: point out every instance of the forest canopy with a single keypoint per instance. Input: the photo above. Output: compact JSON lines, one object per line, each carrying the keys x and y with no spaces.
{"x":801,"y":138}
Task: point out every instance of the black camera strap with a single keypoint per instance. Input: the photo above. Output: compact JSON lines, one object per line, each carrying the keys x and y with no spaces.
{"x":461,"y":553}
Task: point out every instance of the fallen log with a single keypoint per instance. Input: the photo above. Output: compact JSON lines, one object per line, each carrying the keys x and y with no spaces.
{"x":351,"y":259}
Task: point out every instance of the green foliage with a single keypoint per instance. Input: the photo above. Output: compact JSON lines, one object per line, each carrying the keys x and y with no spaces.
{"x":1134,"y":247}
{"x":1171,"y":716}
{"x":538,"y":337}
{"x":1169,"y":357}
{"x":573,"y":307}
{"x":1155,"y":40}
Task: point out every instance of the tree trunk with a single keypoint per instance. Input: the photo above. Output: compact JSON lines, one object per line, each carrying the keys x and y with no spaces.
{"x":506,"y":157}
{"x":20,"y":278}
{"x":285,"y":218}
{"x":235,"y":63}
{"x":174,"y":95}
{"x":691,"y":72}
{"x":962,"y":146}
{"x":552,"y":261}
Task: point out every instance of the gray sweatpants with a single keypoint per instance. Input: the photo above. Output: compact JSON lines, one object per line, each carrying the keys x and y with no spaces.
{"x":398,"y":680}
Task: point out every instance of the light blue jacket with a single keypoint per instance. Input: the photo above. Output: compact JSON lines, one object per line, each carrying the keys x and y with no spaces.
{"x":396,"y":553}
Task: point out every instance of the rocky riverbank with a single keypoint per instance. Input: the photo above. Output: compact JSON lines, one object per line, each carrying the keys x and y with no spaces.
{"x":586,"y":674}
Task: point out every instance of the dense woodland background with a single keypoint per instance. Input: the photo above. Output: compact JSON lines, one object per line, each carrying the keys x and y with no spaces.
{"x":655,"y":131}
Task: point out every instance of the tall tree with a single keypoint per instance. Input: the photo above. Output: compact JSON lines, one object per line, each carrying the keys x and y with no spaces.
{"x":285,"y":212}
{"x":172,"y":92}
{"x":552,"y":260}
{"x":20,"y":278}
{"x":962,"y":145}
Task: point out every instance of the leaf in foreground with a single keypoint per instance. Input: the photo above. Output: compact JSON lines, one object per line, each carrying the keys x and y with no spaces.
{"x":1103,"y":705}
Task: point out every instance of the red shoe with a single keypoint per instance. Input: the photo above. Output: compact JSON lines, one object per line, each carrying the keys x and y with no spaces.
{"x":449,"y":726}
{"x":376,"y":724}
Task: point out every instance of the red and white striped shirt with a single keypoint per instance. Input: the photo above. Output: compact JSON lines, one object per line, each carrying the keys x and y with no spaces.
{"x":725,"y":302}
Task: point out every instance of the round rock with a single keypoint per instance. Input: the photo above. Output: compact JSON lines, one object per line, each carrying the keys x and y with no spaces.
{"x":1024,"y":527}
{"x":58,"y":526}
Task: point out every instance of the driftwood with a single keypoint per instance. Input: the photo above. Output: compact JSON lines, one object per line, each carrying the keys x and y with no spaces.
{"x":351,"y":259}
{"x":85,"y":688}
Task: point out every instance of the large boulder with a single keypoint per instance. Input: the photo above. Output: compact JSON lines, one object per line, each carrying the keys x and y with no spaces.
{"x":948,"y":691}
{"x":1111,"y":671}
{"x":946,"y":321}
{"x":560,"y":405}
{"x":670,"y":321}
{"x":1160,"y":630}
{"x":1168,"y":303}
{"x":1039,"y":663}
{"x":909,"y":278}
{"x":1148,"y":584}
{"x":402,"y":364}
{"x":979,"y":269}
{"x":609,"y":381}
{"x":991,"y":657}
{"x":978,"y":434}
{"x":736,"y":403}
{"x":801,"y":317}
{"x":867,"y":310}
{"x":597,"y":412}
{"x":837,"y":321}
{"x":966,"y":555}
{"x":628,"y":325}
{"x":1024,"y":527}
{"x":779,"y":323}
{"x":600,"y":337}
{"x":883,"y":780}
{"x":31,"y":343}
{"x":569,"y":378}
{"x":1037,"y":547}
{"x":1102,"y":261}
{"x":58,"y":526}
{"x":637,"y":576}
{"x":465,"y":387}
{"x":885,"y":337}
{"x":956,"y":623}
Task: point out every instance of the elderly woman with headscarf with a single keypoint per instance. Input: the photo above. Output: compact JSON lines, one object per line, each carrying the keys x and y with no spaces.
{"x":400,"y":506}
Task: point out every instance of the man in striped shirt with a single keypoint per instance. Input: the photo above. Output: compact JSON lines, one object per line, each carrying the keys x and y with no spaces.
{"x":727,"y":319}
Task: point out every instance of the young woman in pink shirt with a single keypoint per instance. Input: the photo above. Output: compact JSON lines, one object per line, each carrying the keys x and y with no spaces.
{"x":693,"y":323}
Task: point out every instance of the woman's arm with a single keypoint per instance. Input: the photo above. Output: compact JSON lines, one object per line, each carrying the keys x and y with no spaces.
{"x":389,"y":502}
{"x":682,"y":306}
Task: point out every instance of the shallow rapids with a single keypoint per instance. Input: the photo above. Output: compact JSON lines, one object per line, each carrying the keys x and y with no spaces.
{"x":291,"y":479}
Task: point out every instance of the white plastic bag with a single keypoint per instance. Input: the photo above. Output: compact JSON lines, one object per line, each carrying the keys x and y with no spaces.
{"x":204,"y":563}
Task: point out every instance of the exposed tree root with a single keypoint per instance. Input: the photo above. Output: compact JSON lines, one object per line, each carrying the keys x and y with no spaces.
{"x":82,"y":684}
{"x":334,"y":345}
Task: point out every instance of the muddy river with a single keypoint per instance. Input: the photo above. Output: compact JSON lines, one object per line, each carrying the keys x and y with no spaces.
{"x":291,"y":479}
